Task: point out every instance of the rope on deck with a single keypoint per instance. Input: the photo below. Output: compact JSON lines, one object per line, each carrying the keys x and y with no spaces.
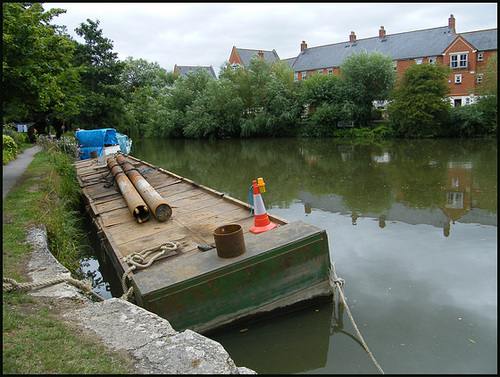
{"x":136,"y":260}
{"x":10,"y":285}
{"x":339,"y":283}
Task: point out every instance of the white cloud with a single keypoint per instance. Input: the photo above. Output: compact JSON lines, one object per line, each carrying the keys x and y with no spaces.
{"x":204,"y":33}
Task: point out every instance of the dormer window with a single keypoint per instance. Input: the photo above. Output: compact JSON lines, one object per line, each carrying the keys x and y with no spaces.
{"x":458,"y":60}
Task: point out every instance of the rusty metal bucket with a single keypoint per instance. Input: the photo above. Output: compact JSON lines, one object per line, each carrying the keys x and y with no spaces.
{"x":229,"y":241}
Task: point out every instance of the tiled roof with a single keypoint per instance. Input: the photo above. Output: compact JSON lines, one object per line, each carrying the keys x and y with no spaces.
{"x":409,"y":45}
{"x":246,"y":54}
{"x":183,"y":70}
{"x":482,"y":40}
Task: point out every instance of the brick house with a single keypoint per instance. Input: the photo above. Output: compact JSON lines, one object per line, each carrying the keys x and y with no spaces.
{"x":184,"y":69}
{"x":465,"y":53}
{"x":242,"y":56}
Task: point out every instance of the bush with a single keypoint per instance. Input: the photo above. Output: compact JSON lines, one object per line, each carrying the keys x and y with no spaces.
{"x":67,"y":145}
{"x":10,"y":149}
{"x":470,"y":121}
{"x":379,"y":132}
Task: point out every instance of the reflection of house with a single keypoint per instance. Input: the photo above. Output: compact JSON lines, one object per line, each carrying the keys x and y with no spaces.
{"x":458,"y":190}
{"x":384,"y":158}
{"x":184,"y":70}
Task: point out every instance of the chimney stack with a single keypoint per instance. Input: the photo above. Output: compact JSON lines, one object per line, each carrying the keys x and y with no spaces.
{"x":352,"y":37}
{"x":381,"y":32}
{"x":451,"y":23}
{"x":303,"y":46}
{"x":261,"y":54}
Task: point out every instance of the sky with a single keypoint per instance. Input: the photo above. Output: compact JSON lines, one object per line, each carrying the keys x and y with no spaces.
{"x":192,"y":34}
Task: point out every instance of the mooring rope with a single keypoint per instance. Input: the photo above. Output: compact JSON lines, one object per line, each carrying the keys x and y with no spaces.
{"x":136,"y":260}
{"x":10,"y":285}
{"x":340,"y":284}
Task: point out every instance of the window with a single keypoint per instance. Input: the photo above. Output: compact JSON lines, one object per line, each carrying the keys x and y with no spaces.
{"x":330,"y":71}
{"x":467,"y":101}
{"x":296,"y":76}
{"x":320,"y":71}
{"x":304,"y":75}
{"x":480,"y":56}
{"x":479,"y":78}
{"x":395,"y":65}
{"x":454,"y":200}
{"x":432,"y":61}
{"x":458,"y":61}
{"x":418,"y":61}
{"x":458,"y":79}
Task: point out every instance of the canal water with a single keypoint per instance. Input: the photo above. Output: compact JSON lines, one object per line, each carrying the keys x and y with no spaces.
{"x":412,"y":228}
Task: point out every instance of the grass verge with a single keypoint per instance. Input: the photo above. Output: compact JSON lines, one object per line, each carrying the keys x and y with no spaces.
{"x":37,"y":338}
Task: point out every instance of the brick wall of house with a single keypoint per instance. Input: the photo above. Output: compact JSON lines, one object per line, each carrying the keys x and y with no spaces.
{"x":234,"y":57}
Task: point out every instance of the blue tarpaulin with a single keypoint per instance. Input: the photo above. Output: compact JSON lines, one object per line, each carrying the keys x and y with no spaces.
{"x":95,"y":140}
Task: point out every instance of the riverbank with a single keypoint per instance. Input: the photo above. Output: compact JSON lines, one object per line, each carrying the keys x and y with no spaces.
{"x":56,"y":329}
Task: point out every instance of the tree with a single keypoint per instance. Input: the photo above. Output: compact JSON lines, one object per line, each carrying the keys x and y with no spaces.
{"x":216,"y":112}
{"x":176,"y":100}
{"x":367,"y":77}
{"x":142,"y":84}
{"x":139,"y":73}
{"x":38,"y":78}
{"x":250,"y":83}
{"x":104,"y":104}
{"x":419,"y":107}
{"x":328,"y":103}
{"x":488,"y":93}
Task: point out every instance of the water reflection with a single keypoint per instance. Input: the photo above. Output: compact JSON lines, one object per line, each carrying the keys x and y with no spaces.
{"x":435,"y":182}
{"x":300,"y":341}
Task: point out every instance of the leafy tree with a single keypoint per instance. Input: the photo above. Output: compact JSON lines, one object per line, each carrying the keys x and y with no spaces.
{"x":488,"y":93}
{"x":367,"y":77}
{"x":489,"y":85}
{"x":142,"y":84}
{"x":250,"y":83}
{"x":104,"y":104}
{"x":419,"y":107}
{"x":326,"y":97}
{"x":216,"y":112}
{"x":175,"y":102}
{"x":38,"y":78}
{"x":139,"y":73}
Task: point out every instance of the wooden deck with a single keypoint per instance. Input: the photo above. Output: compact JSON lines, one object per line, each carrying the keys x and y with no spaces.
{"x":196,"y":212}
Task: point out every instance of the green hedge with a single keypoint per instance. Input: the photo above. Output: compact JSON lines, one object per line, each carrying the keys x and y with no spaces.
{"x":10,"y":149}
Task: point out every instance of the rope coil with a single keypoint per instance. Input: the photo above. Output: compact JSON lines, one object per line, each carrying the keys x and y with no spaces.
{"x":136,"y":260}
{"x":339,"y":283}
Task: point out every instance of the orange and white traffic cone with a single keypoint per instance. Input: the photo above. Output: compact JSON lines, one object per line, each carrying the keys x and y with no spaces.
{"x":261,"y":220}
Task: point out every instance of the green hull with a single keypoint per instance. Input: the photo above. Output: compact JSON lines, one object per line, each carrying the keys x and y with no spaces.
{"x":280,"y":269}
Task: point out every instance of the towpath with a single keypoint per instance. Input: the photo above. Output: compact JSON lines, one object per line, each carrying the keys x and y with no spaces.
{"x":14,"y":169}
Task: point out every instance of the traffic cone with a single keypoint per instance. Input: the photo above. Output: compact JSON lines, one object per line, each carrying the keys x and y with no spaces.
{"x":261,"y":220}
